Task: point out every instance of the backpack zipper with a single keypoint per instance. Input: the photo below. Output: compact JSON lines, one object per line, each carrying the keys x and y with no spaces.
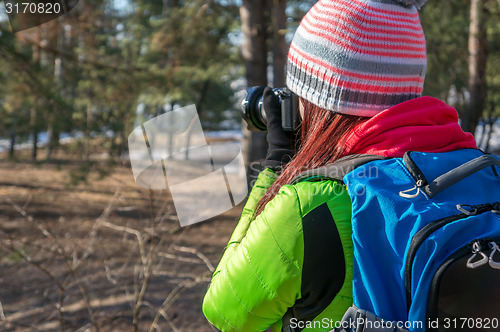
{"x":414,"y":170}
{"x":427,"y":230}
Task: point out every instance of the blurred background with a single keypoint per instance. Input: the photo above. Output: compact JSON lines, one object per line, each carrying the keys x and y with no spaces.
{"x":82,"y":248}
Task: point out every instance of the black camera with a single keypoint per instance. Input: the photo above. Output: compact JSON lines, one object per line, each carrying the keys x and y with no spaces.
{"x":253,"y":113}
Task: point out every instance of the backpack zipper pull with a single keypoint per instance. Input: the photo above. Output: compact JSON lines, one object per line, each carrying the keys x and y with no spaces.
{"x":472,"y":211}
{"x":405,"y":193}
{"x":494,"y":248}
{"x":476,"y":249}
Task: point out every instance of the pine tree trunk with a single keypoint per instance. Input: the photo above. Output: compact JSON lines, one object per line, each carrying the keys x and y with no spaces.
{"x":54,"y":118}
{"x":13,"y":135}
{"x":255,"y":26}
{"x":477,"y":66}
{"x":34,"y":109}
{"x":280,"y":49}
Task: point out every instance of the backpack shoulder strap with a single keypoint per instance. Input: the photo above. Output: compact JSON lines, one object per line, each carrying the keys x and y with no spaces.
{"x":338,"y":169}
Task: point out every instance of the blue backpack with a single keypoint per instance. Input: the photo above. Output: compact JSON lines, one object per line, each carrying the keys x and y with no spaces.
{"x":426,"y":236}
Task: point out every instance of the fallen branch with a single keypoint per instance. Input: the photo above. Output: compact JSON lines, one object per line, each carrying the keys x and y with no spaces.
{"x":202,"y":257}
{"x":127,"y":230}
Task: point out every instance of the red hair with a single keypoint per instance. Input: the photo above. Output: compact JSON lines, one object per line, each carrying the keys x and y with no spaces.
{"x":322,"y":141}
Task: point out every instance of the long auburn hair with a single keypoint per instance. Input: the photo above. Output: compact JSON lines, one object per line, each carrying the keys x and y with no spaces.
{"x":322,"y":141}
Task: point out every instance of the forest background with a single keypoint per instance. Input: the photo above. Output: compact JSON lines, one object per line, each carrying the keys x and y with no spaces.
{"x":81,"y":246}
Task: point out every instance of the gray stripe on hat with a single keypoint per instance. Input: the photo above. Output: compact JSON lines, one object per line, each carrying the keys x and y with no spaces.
{"x":292,"y":67}
{"x":333,"y":97}
{"x":341,"y":60}
{"x":375,"y":80}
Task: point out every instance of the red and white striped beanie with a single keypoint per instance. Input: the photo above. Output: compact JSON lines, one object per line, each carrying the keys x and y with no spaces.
{"x":358,"y":57}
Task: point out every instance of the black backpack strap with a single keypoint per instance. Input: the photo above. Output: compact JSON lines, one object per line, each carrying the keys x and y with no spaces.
{"x":461,"y":172}
{"x":338,"y":169}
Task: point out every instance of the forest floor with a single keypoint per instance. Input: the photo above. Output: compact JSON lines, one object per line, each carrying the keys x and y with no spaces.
{"x":83,"y":248}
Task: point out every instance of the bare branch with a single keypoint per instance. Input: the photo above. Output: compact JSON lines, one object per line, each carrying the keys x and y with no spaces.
{"x":68,"y":261}
{"x":197,"y":253}
{"x":173,"y":296}
{"x":128,"y":230}
{"x":179,"y":258}
{"x":29,"y":218}
{"x":93,"y":231}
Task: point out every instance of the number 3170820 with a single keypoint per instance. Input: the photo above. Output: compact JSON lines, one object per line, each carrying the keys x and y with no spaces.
{"x":33,"y":8}
{"x":471,"y":323}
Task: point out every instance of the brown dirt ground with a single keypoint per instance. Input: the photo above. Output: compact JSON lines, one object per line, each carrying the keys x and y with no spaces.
{"x":71,"y":259}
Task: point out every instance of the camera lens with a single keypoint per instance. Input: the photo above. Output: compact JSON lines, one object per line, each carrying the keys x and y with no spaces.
{"x":252,"y":109}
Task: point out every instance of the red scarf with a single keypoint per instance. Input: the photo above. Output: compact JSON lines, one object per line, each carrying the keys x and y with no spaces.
{"x":423,"y":124}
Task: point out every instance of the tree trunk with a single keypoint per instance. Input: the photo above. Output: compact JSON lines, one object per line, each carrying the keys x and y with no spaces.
{"x":13,"y":135}
{"x":52,"y":137}
{"x":34,"y":129}
{"x":492,"y":119}
{"x":34,"y":109}
{"x":12,"y":147}
{"x":280,"y":49}
{"x":54,"y":118}
{"x":88,"y":124}
{"x":255,"y":25}
{"x":477,"y":66}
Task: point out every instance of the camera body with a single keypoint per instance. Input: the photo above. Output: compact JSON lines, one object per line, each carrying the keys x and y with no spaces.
{"x":252,"y":109}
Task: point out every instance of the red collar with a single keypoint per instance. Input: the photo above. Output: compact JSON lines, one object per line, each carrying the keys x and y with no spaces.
{"x":423,"y":124}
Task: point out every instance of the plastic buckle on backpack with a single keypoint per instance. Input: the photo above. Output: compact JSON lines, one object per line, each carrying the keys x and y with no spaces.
{"x":494,"y":248}
{"x":472,"y":212}
{"x":476,"y":249}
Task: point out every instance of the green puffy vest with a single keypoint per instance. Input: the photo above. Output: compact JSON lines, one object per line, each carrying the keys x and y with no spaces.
{"x":277,"y":267}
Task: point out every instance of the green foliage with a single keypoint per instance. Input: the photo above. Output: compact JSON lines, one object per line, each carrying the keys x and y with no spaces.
{"x":445,"y":25}
{"x":89,"y":70}
{"x":193,"y":53}
{"x":159,"y":53}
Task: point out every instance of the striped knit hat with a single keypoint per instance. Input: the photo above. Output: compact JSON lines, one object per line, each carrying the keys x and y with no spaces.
{"x":358,"y":57}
